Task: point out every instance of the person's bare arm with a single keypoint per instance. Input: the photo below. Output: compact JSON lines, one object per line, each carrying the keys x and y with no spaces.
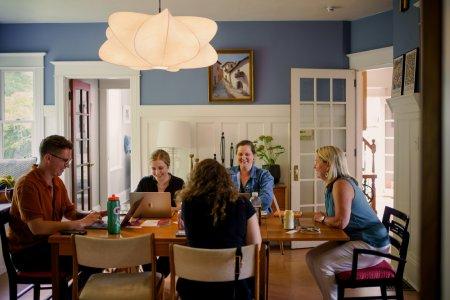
{"x":343,"y":195}
{"x":253,"y":231}
{"x":40,"y":227}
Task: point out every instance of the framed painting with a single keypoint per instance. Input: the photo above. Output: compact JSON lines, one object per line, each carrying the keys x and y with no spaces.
{"x":404,"y":5}
{"x":397,"y":76}
{"x":231,"y":77}
{"x":409,"y":85}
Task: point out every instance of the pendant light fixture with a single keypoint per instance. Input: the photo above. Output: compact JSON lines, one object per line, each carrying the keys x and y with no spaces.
{"x":161,"y":41}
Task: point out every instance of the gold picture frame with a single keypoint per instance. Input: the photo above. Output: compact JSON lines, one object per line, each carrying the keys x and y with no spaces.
{"x":404,"y":5}
{"x":230,"y":79}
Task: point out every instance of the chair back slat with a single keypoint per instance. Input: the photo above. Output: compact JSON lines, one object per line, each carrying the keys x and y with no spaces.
{"x":212,"y":265}
{"x":394,"y":242}
{"x":126,"y":252}
{"x":5,"y":217}
{"x":397,"y":228}
{"x":397,"y":222}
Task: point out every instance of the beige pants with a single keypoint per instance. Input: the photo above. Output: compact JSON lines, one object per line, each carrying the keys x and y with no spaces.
{"x":330,"y":258}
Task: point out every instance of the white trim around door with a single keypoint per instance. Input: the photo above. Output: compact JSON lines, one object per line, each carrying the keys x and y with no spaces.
{"x":363,"y":61}
{"x":96,"y":70}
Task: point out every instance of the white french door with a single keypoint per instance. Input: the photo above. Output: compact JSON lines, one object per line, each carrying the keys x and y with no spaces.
{"x":322,"y":113}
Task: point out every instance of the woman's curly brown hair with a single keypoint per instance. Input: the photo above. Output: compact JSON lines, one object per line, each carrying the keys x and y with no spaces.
{"x":210,"y":180}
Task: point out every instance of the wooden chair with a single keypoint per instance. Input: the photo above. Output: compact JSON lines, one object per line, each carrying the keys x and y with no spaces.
{"x":213,"y":265}
{"x":116,"y":253}
{"x":276,"y":208}
{"x":36,"y":280}
{"x":382,"y":274}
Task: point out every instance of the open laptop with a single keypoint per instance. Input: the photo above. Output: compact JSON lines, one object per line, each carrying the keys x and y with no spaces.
{"x":152,"y":204}
{"x":143,"y":205}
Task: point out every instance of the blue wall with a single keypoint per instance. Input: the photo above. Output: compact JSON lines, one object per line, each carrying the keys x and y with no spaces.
{"x":371,"y":32}
{"x":406,"y":33}
{"x":277,"y":46}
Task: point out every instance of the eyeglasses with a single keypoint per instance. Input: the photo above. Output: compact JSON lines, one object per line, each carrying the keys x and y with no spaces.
{"x":67,"y":161}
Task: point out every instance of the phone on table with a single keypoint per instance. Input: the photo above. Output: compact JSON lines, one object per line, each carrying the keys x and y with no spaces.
{"x":74,"y":231}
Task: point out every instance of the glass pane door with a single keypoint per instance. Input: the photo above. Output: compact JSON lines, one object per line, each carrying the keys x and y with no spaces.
{"x":81,"y":167}
{"x":322,"y":113}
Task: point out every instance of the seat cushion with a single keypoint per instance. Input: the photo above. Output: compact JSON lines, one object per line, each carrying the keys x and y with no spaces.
{"x":119,"y":286}
{"x":383,"y":270}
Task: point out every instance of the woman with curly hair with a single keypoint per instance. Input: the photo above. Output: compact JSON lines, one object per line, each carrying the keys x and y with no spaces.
{"x":216,"y":217}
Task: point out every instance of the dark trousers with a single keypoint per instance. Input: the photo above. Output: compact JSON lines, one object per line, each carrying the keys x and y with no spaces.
{"x":38,"y":258}
{"x":162,"y":266}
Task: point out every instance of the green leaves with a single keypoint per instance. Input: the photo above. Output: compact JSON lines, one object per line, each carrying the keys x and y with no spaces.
{"x":266,"y":151}
{"x":7,"y":181}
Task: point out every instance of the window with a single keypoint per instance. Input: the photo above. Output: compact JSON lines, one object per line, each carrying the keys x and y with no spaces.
{"x":21,"y":104}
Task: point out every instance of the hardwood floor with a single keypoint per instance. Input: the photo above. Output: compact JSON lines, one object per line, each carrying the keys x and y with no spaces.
{"x":289,"y":278}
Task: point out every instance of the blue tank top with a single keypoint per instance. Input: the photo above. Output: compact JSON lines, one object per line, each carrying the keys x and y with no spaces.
{"x":364,"y":224}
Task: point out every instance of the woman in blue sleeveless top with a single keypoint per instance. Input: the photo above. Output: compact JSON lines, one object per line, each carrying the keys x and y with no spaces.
{"x":346,"y":208}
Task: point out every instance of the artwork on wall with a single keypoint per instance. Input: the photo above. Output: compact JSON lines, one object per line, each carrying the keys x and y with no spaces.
{"x":397,"y":76}
{"x":409,"y":86}
{"x":231,"y":77}
{"x":404,"y":5}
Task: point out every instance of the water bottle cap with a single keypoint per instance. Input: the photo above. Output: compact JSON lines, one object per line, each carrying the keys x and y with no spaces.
{"x":113,"y":197}
{"x":255,"y":194}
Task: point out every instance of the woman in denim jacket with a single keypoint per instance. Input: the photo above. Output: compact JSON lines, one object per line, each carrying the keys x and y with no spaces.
{"x":248,"y":178}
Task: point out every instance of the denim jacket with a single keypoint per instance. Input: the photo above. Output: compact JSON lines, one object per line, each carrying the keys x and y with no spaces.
{"x":260,"y":181}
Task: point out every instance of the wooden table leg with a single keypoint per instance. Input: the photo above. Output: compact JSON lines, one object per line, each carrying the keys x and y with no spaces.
{"x":55,"y":272}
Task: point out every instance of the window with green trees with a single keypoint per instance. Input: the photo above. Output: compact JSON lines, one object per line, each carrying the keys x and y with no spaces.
{"x":16,"y":114}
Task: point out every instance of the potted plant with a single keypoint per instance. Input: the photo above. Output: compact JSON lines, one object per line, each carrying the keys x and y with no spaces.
{"x":7,"y":186}
{"x":269,"y":153}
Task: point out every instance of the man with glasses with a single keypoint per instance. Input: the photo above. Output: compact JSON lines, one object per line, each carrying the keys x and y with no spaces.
{"x":40,"y":201}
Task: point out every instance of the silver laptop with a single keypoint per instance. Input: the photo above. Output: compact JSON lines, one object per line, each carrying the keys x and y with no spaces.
{"x":151,"y":204}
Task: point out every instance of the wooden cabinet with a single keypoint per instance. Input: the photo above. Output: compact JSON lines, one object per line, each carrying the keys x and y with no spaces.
{"x":280,"y":194}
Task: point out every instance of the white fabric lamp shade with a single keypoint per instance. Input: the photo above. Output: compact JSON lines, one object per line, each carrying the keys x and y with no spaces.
{"x":161,"y":41}
{"x":174,"y":134}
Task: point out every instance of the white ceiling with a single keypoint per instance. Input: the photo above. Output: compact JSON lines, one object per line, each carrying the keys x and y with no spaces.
{"x":74,"y":11}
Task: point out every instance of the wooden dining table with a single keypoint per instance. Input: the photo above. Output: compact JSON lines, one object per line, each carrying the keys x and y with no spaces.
{"x":270,"y":226}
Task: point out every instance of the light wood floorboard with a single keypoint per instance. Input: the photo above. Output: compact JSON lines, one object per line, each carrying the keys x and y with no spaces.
{"x":289,"y":279}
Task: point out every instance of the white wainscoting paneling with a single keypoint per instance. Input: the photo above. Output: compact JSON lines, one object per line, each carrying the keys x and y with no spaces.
{"x":407,"y":124}
{"x":207,"y":122}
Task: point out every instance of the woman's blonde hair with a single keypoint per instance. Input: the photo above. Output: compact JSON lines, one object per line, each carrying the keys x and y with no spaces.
{"x":161,"y":155}
{"x":210,"y":181}
{"x":336,"y":160}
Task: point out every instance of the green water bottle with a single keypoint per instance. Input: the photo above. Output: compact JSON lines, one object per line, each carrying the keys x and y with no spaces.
{"x":113,"y":208}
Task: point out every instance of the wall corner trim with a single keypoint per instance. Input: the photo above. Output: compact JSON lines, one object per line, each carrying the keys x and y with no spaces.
{"x":372,"y":59}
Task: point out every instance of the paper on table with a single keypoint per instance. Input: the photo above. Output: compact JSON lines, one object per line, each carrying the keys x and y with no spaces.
{"x":292,"y":231}
{"x":150,"y":223}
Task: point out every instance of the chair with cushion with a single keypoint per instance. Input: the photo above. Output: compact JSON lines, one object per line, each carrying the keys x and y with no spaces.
{"x":213,"y":265}
{"x":35,"y":280}
{"x":116,"y":253}
{"x":383,"y":274}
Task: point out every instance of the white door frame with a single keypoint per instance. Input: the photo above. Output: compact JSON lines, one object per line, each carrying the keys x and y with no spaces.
{"x":363,"y":61}
{"x":97,"y":70}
